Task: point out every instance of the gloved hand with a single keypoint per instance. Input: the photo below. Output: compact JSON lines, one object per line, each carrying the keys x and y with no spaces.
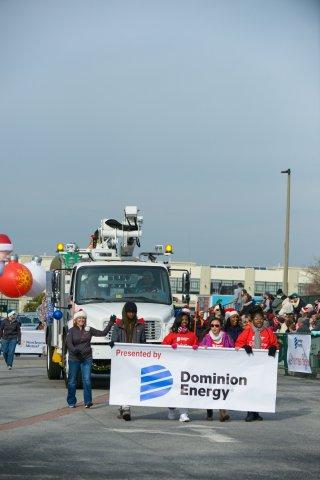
{"x":272,"y":351}
{"x":195,"y":347}
{"x":113,"y":318}
{"x":111,"y":344}
{"x":77,"y":352}
{"x":174,"y":345}
{"x":248,"y":349}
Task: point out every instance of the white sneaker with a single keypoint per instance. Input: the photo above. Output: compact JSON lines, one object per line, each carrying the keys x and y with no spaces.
{"x":184,"y":417}
{"x":9,"y":368}
{"x":171,"y":415}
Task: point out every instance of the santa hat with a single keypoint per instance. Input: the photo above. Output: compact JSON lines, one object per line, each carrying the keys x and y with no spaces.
{"x":231,"y":313}
{"x":5,"y":243}
{"x":79,"y":314}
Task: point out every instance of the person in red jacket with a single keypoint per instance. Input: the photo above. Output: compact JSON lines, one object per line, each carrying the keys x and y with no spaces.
{"x":181,"y":334}
{"x":257,"y":336}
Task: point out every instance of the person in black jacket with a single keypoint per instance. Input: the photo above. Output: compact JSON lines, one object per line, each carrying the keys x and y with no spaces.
{"x":129,"y":329}
{"x":80,"y":356}
{"x":10,"y":333}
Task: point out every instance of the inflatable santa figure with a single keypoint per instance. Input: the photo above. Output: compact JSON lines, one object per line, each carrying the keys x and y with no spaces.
{"x":6,"y":248}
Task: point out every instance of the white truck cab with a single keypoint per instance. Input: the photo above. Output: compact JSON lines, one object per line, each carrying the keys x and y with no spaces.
{"x":100,"y":280}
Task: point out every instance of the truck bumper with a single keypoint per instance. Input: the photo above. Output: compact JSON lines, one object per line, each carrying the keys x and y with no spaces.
{"x":101,"y":352}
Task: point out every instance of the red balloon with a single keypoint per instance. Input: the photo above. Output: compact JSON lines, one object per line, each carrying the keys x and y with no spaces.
{"x":16,"y":280}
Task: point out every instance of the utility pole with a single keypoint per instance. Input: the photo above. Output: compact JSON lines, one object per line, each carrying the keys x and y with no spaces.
{"x":287,"y":235}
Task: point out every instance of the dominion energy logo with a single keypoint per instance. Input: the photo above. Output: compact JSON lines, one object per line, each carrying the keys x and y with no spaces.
{"x":156,"y":381}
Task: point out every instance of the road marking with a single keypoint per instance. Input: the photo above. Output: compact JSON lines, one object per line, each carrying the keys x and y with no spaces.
{"x":203,"y":432}
{"x":52,"y":415}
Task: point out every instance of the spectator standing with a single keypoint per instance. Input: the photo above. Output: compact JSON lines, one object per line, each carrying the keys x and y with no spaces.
{"x":277,"y":301}
{"x":297,"y":304}
{"x":303,"y":325}
{"x":238,"y":297}
{"x":10,"y":333}
{"x":80,"y":356}
{"x":247,"y":303}
{"x":217,"y":338}
{"x":128,"y":329}
{"x":181,"y":334}
{"x":258,"y":337}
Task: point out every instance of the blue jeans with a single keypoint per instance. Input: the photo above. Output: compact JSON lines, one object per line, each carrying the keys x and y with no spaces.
{"x":8,"y":347}
{"x":74,"y":368}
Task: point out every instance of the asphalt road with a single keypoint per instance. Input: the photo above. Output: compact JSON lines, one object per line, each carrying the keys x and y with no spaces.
{"x":41,"y":439}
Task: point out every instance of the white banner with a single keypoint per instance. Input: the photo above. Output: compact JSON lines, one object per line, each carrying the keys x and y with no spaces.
{"x":159,"y":376}
{"x":32,"y":341}
{"x":299,"y":353}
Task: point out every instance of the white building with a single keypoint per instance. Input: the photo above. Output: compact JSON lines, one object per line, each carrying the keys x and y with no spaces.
{"x":209,"y":279}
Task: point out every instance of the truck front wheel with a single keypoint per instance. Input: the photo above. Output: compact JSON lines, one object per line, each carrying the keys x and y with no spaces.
{"x":53,"y":369}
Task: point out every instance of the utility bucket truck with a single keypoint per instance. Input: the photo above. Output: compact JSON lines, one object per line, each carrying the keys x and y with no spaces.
{"x":100,"y":279}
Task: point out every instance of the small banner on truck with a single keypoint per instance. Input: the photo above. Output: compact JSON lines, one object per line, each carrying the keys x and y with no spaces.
{"x":159,"y":376}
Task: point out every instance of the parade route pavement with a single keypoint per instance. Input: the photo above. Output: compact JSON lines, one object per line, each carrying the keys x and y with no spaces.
{"x":42,"y":439}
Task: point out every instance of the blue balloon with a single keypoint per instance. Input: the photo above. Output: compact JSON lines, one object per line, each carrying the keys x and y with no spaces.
{"x":57,"y":314}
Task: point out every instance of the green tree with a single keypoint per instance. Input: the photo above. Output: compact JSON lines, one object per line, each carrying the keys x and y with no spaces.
{"x":33,"y":304}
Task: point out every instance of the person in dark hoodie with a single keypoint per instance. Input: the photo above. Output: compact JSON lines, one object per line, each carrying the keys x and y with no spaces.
{"x":80,"y":356}
{"x":128,"y":329}
{"x":10,"y":333}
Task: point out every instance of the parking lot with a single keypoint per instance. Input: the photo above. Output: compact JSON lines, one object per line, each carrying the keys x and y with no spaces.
{"x":42,"y":439}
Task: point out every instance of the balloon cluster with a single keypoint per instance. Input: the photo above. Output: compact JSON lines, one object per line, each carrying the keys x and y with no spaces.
{"x":17,"y":279}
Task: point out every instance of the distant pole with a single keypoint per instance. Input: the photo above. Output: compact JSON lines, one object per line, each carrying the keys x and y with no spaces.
{"x":287,"y":235}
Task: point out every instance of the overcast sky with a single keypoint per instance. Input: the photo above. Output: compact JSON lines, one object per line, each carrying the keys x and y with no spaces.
{"x":188,"y":109}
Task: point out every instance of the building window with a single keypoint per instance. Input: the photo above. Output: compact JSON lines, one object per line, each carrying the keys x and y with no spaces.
{"x":195,"y":286}
{"x":224,"y":287}
{"x":271,"y":287}
{"x":176,"y":285}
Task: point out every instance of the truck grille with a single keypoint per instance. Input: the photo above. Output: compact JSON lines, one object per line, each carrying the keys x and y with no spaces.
{"x":153,"y":331}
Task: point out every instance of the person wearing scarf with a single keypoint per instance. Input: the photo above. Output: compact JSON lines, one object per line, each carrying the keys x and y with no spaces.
{"x":217,"y":338}
{"x":128,"y":329}
{"x":181,"y":334}
{"x":257,"y":336}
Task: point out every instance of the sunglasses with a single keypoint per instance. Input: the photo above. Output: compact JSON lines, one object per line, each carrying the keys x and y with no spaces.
{"x":215,"y":325}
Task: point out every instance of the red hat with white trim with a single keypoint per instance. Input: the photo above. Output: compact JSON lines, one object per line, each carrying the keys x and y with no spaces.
{"x":5,"y":243}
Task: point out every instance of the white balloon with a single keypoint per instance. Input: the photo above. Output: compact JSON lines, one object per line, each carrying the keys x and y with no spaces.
{"x":39,"y":278}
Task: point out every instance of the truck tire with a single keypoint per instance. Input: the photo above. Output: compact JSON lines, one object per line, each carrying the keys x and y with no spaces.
{"x":53,"y":369}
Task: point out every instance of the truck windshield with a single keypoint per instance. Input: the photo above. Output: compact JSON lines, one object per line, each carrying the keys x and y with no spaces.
{"x":116,"y":283}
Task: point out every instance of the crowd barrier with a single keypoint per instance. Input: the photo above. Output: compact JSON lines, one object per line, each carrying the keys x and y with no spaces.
{"x":314,"y":357}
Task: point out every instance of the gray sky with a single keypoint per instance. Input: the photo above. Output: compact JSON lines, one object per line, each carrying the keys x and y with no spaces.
{"x":188,"y":109}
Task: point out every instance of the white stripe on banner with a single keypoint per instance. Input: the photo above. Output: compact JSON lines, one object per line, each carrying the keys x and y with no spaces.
{"x":157,"y":375}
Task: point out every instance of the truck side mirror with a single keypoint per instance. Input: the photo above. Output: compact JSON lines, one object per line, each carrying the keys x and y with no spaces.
{"x":186,"y":283}
{"x":186,"y":299}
